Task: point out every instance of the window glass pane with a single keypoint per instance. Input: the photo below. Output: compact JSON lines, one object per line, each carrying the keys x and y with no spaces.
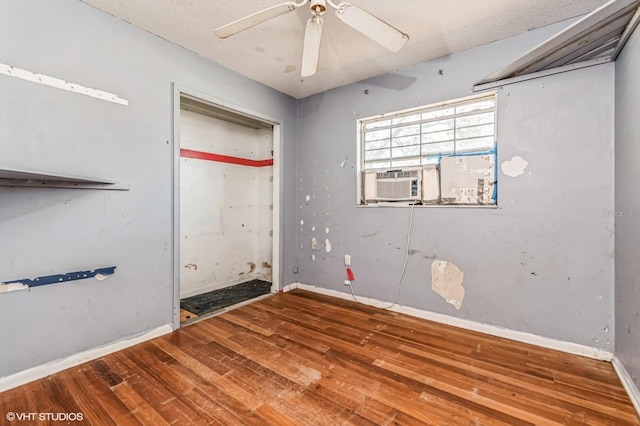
{"x":406,"y":151}
{"x":474,"y":132}
{"x":406,"y":163}
{"x":438,"y":126}
{"x":409,"y":140}
{"x":438,"y":137}
{"x":377,"y":165}
{"x":377,"y":135}
{"x":434,"y":149}
{"x":476,"y":106}
{"x":438,"y":113}
{"x":429,"y":160}
{"x":406,"y":131}
{"x":378,"y":154}
{"x":475,"y":120}
{"x":377,"y":144}
{"x":475,"y":145}
{"x":406,"y":119}
{"x":375,"y":124}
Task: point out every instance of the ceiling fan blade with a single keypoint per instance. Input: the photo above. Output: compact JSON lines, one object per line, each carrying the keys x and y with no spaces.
{"x":374,"y":28}
{"x":255,"y":19}
{"x":311,"y":50}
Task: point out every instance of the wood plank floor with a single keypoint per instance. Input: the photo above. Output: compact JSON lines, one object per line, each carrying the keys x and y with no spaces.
{"x":305,"y":359}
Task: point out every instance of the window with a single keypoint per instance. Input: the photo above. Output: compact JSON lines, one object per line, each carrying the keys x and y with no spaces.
{"x":448,"y":148}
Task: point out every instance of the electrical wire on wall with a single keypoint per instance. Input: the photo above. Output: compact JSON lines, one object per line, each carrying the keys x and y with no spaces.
{"x":404,"y":268}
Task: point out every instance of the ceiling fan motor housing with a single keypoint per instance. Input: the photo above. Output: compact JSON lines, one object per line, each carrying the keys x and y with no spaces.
{"x":318,"y":7}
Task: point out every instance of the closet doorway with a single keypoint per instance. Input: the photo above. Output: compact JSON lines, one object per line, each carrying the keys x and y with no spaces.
{"x":226,"y":238}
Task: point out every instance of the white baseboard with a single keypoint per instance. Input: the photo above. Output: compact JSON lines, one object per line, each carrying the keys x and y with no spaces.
{"x":44,"y":370}
{"x":627,"y":383}
{"x":519,"y":336}
{"x":289,"y":287}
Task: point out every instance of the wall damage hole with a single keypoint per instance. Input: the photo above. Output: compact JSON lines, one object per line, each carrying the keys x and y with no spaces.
{"x":191,"y":266}
{"x":266,"y":265}
{"x":252,"y":266}
{"x":446,"y":280}
{"x":515,"y":166}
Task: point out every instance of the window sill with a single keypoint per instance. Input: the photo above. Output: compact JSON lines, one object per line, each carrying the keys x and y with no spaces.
{"x":397,"y":204}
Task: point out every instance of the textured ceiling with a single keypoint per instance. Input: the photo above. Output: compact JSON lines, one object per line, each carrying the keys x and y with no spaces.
{"x":271,"y":52}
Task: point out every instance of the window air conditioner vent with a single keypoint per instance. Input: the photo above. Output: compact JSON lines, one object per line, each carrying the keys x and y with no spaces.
{"x":394,"y":185}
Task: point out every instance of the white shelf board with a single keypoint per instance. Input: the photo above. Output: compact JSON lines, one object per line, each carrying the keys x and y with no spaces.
{"x":32,"y":179}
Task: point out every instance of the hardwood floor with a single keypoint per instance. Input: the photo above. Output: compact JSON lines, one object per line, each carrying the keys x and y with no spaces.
{"x":305,"y":359}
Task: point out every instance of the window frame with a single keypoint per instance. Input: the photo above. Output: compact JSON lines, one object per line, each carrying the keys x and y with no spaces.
{"x":424,"y":160}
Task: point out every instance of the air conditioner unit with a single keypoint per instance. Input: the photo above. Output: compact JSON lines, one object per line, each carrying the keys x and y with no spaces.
{"x":393,"y":185}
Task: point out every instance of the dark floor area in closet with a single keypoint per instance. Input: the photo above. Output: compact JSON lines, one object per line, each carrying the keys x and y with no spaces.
{"x":215,"y":300}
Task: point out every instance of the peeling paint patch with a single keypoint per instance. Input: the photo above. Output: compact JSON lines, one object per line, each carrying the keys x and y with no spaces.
{"x":5,"y":288}
{"x":326,"y":230}
{"x":344,"y":161}
{"x":60,"y":84}
{"x":515,"y":166}
{"x":308,"y":197}
{"x":313,"y":257}
{"x":446,"y":280}
{"x":314,"y":244}
{"x":327,"y":245}
{"x":252,"y":266}
{"x":313,"y":228}
{"x":266,"y":265}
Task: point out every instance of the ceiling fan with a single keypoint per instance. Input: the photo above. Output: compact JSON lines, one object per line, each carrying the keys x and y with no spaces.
{"x":372,"y":27}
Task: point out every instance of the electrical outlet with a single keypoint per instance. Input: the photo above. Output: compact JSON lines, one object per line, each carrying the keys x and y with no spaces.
{"x":347,"y":260}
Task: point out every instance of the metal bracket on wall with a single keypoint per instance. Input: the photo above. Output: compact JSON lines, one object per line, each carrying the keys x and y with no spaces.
{"x":71,"y":276}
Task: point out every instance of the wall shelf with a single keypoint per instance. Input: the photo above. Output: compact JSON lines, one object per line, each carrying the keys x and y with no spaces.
{"x":31,"y":179}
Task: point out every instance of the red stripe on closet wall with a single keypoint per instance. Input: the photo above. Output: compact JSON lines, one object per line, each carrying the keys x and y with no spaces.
{"x":199,"y":155}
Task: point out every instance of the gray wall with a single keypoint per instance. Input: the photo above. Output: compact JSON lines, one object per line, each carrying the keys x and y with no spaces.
{"x":54,"y":231}
{"x":627,"y":207}
{"x":541,"y":263}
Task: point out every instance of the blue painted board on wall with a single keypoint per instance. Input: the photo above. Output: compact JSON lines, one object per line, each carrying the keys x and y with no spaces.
{"x":70,"y":276}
